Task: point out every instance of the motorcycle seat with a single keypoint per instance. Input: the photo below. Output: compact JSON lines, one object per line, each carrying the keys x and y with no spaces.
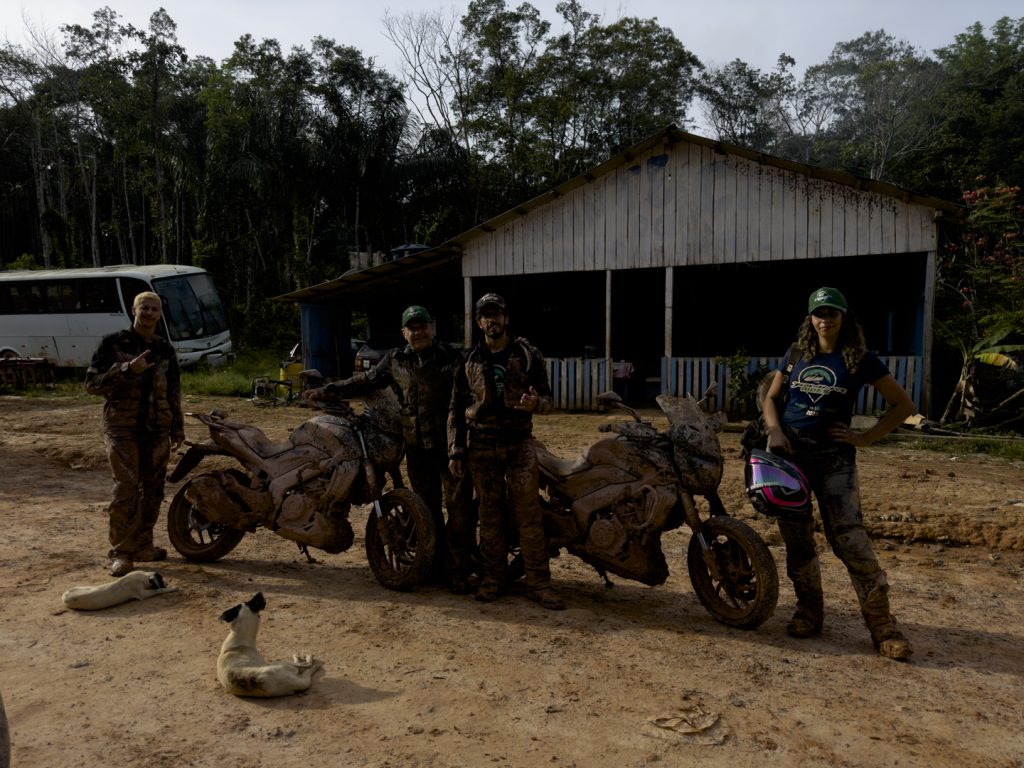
{"x":262,"y":445}
{"x":251,"y":437}
{"x":553,"y":465}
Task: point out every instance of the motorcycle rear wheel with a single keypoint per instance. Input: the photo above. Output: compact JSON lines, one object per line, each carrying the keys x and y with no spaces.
{"x":400,"y":544}
{"x":194,"y":536}
{"x":740,"y":587}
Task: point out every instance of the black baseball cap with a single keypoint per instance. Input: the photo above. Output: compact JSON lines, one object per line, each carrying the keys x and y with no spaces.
{"x":490,"y":298}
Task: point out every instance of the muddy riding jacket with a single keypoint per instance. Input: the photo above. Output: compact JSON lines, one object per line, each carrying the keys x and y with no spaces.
{"x":483,"y":403}
{"x":423,"y":383}
{"x":137,"y":403}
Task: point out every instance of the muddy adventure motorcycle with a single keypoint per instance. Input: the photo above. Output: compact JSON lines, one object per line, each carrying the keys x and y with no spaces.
{"x":303,"y":489}
{"x":610,"y":506}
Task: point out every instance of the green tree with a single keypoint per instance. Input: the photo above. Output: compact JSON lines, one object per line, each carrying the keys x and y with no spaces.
{"x":26,"y":192}
{"x":980,"y":106}
{"x":93,"y":92}
{"x":156,"y":69}
{"x":981,"y":280}
{"x":883,"y":87}
{"x":747,"y":107}
{"x":257,"y":120}
{"x":610,"y":86}
{"x":504,"y":46}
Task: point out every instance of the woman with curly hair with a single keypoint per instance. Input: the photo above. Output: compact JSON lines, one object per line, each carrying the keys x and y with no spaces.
{"x":813,"y":428}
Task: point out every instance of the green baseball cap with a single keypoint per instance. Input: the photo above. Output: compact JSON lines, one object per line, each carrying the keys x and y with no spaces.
{"x":416,"y":312}
{"x":826,"y":297}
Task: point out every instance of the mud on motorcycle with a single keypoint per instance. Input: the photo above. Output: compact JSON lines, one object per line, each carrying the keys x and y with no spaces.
{"x":303,"y":489}
{"x":610,"y":506}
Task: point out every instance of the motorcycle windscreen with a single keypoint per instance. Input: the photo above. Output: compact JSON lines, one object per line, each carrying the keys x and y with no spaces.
{"x":695,"y":445}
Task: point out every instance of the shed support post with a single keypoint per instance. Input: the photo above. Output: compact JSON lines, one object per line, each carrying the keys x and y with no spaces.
{"x":467,"y":311}
{"x":668,"y":312}
{"x":928,"y":336}
{"x":608,"y":329}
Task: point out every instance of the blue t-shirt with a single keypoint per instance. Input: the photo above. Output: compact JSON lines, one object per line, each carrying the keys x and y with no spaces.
{"x":822,"y":392}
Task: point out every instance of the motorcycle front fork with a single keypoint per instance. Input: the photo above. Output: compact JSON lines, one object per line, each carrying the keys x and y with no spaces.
{"x":694,"y":521}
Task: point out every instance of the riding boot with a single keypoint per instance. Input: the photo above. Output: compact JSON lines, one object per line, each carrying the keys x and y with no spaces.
{"x":889,"y":641}
{"x":810,"y":602}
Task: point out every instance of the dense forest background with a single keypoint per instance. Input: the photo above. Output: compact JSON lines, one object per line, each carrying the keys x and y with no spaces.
{"x":274,"y":169}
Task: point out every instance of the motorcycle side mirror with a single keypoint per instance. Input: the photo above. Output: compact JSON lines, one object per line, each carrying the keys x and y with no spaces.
{"x":707,"y":402}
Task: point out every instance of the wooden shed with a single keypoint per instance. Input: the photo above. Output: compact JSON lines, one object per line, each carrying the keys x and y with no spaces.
{"x":679,"y":262}
{"x":683,"y":257}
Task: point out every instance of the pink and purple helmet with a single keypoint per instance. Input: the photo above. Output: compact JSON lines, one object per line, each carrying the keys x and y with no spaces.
{"x":776,"y":486}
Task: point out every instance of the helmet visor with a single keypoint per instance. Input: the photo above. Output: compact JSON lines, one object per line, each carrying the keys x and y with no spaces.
{"x":762,"y":475}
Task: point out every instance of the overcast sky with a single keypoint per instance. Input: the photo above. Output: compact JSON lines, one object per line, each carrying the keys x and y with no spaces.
{"x":717,"y":31}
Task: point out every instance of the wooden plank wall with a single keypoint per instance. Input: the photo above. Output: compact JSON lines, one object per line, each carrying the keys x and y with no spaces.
{"x":693,"y":375}
{"x":688,"y":205}
{"x":576,"y":382}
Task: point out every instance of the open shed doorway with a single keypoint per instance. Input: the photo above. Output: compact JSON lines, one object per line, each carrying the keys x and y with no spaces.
{"x":560,"y":313}
{"x":638,"y":331}
{"x":755,"y":309}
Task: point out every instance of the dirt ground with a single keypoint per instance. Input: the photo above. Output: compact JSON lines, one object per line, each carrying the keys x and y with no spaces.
{"x":631,"y":676}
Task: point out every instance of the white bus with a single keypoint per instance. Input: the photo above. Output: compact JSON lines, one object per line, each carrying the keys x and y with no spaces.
{"x":62,"y":314}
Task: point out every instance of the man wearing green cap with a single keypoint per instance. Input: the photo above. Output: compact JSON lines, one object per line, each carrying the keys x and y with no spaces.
{"x":421,"y":373}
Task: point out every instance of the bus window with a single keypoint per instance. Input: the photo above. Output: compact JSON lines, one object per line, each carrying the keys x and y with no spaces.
{"x":213,"y":312}
{"x":99,"y":295}
{"x":27,"y":298}
{"x":190,"y":316}
{"x":130,"y":288}
{"x":61,"y":297}
{"x":181,"y":310}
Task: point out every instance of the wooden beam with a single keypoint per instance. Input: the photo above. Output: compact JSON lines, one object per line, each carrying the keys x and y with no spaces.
{"x":467,"y":311}
{"x":668,"y":311}
{"x":928,"y":339}
{"x":607,"y":314}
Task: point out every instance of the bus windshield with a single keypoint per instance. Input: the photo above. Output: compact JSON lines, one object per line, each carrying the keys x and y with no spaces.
{"x":192,"y":307}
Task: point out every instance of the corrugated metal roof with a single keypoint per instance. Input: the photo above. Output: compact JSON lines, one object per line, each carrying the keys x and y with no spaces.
{"x":381,"y":275}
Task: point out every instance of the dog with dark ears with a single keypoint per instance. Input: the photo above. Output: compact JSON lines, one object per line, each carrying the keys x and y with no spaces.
{"x":243,"y":671}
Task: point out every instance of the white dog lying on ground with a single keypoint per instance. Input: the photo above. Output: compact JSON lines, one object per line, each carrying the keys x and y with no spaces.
{"x":137,"y":585}
{"x":243,"y":671}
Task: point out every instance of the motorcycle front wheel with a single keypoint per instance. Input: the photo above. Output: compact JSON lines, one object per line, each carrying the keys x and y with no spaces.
{"x":736,"y":578}
{"x":194,"y":536}
{"x":401,"y":540}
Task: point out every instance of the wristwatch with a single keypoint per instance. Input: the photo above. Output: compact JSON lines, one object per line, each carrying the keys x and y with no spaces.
{"x":126,"y":368}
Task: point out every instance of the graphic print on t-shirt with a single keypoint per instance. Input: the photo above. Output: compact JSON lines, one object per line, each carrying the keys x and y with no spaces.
{"x":499,"y":370}
{"x":816,"y":382}
{"x":499,"y":381}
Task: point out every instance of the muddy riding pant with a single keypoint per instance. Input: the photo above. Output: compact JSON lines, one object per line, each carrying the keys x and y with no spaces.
{"x":139,"y":466}
{"x":431,"y":480}
{"x":495,"y":468}
{"x":832,"y":473}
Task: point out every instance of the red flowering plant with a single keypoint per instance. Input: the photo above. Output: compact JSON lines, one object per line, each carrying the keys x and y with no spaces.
{"x":981,"y":307}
